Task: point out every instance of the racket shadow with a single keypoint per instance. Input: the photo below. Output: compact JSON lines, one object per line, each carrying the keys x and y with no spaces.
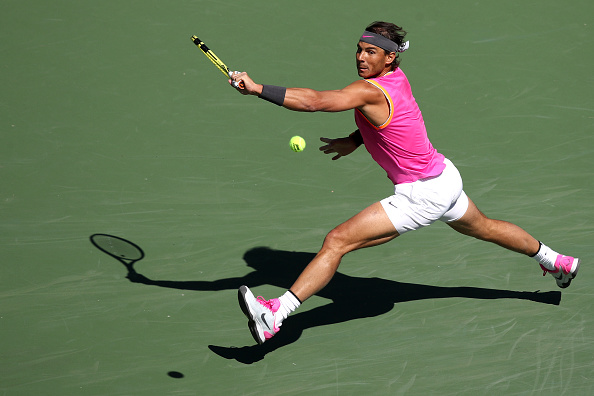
{"x":349,"y":295}
{"x":121,"y":249}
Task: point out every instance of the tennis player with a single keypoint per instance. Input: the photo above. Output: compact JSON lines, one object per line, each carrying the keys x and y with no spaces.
{"x":427,"y":186}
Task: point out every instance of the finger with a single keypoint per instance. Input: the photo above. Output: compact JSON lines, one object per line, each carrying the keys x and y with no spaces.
{"x":236,"y":84}
{"x":326,"y":140}
{"x":238,"y":79}
{"x":336,"y":157}
{"x":237,"y":76}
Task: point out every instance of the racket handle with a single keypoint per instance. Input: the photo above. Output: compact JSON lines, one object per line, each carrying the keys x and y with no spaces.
{"x":236,"y":84}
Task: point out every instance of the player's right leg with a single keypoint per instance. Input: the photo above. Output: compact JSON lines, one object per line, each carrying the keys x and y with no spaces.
{"x":368,"y":228}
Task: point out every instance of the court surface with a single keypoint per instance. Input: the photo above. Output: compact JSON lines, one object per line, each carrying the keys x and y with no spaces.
{"x":112,"y":122}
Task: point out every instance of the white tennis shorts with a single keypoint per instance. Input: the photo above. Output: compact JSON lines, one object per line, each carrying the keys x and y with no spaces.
{"x":419,"y":204}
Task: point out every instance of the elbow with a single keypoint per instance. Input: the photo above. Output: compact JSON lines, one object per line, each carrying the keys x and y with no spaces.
{"x":305,"y":107}
{"x":307,"y":100}
{"x":313,"y":105}
{"x":310,"y":108}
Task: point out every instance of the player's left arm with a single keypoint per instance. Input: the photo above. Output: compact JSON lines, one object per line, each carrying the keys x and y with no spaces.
{"x":342,"y":146}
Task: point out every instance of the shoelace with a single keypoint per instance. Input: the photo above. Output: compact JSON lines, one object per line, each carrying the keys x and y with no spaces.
{"x":266,"y":303}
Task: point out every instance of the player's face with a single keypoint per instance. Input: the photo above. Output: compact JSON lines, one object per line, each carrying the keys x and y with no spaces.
{"x":372,"y":61}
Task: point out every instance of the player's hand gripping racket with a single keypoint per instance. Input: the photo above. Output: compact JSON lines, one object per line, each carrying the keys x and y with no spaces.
{"x":215,"y":60}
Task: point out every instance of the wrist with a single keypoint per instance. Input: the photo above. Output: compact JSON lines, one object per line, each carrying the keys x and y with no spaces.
{"x":258,"y":90}
{"x":356,"y":138}
{"x":273,"y":94}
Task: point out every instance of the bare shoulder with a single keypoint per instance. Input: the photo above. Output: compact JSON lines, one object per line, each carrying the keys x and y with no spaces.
{"x":370,"y":93}
{"x":360,"y":85}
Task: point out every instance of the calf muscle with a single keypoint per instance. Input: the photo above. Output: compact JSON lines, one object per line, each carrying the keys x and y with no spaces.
{"x":503,"y":233}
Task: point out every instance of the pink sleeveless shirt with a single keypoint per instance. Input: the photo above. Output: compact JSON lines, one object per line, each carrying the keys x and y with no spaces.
{"x":400,"y":145}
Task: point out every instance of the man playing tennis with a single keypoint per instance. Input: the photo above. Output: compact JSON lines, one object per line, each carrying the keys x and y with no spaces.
{"x":427,"y":188}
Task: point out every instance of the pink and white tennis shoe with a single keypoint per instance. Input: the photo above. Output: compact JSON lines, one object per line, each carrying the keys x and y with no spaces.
{"x":566,"y":268}
{"x":261,"y":314}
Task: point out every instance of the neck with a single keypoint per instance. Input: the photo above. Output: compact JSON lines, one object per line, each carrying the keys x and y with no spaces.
{"x":385,"y":72}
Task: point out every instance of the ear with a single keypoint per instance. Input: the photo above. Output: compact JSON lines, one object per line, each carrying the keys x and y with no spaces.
{"x":390,"y":57}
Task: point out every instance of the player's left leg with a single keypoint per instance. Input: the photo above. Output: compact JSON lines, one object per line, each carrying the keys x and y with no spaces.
{"x":474,"y":223}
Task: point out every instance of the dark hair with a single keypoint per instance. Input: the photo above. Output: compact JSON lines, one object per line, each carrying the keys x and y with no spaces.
{"x":389,"y":31}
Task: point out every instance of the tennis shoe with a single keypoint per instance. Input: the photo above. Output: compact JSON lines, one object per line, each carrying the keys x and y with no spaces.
{"x":261,"y":314}
{"x":566,"y":268}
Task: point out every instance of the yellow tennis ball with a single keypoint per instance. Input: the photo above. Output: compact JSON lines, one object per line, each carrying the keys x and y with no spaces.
{"x":297,"y":144}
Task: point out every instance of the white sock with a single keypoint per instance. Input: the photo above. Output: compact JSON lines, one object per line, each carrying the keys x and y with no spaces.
{"x":546,"y":256}
{"x":289,"y":303}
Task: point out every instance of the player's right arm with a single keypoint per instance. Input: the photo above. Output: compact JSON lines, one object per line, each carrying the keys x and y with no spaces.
{"x":359,"y":95}
{"x":356,"y":95}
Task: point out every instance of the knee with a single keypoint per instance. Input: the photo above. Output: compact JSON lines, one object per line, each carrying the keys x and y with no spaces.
{"x":336,"y":240}
{"x":478,"y":226}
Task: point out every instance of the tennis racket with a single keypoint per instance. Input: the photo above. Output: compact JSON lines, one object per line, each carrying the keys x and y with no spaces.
{"x":215,"y":60}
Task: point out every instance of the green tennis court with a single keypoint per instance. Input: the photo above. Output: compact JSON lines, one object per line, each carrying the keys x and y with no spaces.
{"x":113,"y":122}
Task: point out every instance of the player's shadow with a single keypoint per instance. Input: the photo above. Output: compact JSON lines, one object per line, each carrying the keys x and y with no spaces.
{"x":352,"y":297}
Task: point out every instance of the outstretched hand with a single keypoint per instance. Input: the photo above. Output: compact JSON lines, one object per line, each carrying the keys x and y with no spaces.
{"x":341,"y":146}
{"x":244,"y":84}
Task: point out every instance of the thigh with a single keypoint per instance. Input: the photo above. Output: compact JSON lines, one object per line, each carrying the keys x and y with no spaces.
{"x":369,"y":227}
{"x":457,"y":210}
{"x":471,"y":223}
